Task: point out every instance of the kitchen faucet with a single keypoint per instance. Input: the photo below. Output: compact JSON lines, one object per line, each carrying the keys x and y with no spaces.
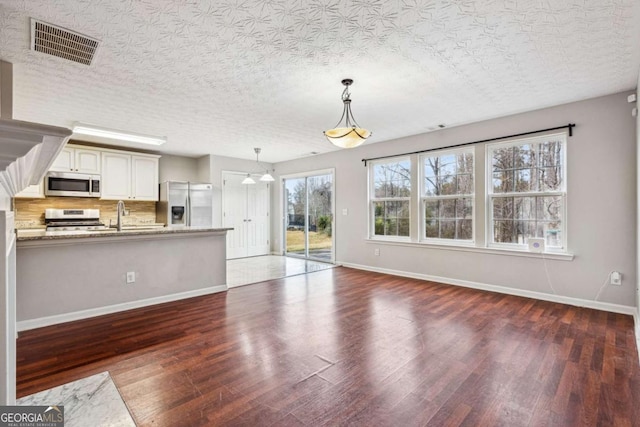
{"x":121,"y":212}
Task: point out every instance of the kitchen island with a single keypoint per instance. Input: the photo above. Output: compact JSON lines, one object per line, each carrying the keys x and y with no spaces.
{"x":69,"y":276}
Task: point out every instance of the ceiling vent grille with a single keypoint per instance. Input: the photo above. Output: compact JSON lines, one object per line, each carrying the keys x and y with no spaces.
{"x":60,"y":42}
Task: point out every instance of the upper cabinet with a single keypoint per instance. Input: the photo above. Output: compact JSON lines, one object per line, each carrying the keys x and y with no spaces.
{"x":116,"y":176}
{"x":77,"y":159}
{"x":129,"y":176}
{"x":144,"y":178}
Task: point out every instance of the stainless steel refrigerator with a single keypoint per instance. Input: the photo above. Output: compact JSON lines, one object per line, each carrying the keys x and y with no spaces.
{"x":185,"y":204}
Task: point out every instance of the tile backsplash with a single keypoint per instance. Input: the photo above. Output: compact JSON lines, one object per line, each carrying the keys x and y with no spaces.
{"x":30,"y":212}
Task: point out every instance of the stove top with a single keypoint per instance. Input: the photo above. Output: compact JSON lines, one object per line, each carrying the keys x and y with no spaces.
{"x":73,"y":220}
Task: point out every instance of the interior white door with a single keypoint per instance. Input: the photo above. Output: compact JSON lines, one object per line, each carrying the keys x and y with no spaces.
{"x":258,"y":235}
{"x":246,"y":210}
{"x":235,"y":209}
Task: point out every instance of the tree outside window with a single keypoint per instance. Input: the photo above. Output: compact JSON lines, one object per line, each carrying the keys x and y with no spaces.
{"x":527,"y":191}
{"x":390,"y":197}
{"x":448,"y":195}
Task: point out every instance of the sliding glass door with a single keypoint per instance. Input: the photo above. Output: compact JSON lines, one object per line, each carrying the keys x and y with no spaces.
{"x":308,"y":216}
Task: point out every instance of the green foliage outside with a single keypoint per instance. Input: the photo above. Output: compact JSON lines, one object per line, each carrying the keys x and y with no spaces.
{"x":324,"y":224}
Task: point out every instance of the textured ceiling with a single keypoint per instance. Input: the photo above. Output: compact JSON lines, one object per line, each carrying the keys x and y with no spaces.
{"x":222,"y":77}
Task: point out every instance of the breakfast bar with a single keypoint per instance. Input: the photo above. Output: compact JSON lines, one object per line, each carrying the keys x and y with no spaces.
{"x":68,"y":276}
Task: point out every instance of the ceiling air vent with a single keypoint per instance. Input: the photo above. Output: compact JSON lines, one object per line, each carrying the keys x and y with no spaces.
{"x":60,"y":42}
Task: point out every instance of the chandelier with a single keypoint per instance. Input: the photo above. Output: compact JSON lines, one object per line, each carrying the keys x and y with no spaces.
{"x":347,"y":133}
{"x":264,"y":178}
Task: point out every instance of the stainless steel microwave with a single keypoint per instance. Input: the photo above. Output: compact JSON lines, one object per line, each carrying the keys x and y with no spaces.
{"x":71,"y":184}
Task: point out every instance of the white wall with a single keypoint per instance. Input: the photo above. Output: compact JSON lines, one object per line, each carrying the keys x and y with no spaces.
{"x":5,"y":200}
{"x":178,"y":168}
{"x":601,"y":206}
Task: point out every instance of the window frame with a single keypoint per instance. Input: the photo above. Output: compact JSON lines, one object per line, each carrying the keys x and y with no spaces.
{"x":422,"y":198}
{"x":372,"y":199}
{"x":490,"y":195}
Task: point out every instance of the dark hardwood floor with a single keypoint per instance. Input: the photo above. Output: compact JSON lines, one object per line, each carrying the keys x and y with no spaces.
{"x":347,"y":347}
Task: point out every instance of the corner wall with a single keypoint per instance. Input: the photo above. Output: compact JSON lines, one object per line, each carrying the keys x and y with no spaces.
{"x":601,"y":188}
{"x":637,"y":316}
{"x":177,"y":168}
{"x":214,"y":166}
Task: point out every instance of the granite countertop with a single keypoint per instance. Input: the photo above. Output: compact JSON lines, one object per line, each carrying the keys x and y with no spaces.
{"x":40,"y":234}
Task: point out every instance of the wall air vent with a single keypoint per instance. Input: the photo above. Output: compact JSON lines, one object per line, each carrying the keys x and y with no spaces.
{"x":63,"y":43}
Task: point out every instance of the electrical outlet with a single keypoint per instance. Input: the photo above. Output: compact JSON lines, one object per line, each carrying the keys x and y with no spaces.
{"x":131,"y":276}
{"x":615,"y":278}
{"x":376,"y":252}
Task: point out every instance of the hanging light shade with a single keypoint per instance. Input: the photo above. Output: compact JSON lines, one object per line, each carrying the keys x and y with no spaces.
{"x":248,"y":180}
{"x":347,"y":133}
{"x":266,"y":177}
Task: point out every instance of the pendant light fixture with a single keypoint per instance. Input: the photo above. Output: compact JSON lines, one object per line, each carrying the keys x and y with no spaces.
{"x":264,"y":178}
{"x":347,"y":133}
{"x":248,"y":180}
{"x":267,"y":176}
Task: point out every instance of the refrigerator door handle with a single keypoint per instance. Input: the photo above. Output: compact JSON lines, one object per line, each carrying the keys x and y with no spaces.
{"x":188,"y":211}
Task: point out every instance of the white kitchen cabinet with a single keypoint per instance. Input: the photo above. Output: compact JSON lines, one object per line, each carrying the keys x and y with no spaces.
{"x":129,"y":176}
{"x":81,"y":160}
{"x":35,"y":191}
{"x":144,"y":178}
{"x":116,"y":176}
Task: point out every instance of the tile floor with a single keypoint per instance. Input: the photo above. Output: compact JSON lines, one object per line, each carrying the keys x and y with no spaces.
{"x":244,"y":271}
{"x":94,"y":400}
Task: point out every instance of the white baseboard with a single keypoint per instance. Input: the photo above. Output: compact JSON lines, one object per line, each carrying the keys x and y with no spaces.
{"x":598,"y":305}
{"x":25,"y":325}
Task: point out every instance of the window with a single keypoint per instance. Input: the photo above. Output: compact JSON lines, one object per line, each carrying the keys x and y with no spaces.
{"x":447,"y":195}
{"x":527,"y":191}
{"x":390,"y":196}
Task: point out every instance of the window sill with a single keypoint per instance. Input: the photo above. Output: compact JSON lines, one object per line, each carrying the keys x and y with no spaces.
{"x":467,"y":248}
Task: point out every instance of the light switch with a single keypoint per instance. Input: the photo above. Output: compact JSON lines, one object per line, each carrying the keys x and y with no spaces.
{"x":345,"y":211}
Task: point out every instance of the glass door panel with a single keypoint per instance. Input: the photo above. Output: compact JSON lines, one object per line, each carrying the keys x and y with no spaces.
{"x":320,"y":216}
{"x":295,"y":216}
{"x":309,"y":217}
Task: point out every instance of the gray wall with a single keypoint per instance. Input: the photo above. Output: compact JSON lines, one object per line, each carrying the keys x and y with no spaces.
{"x":90,"y":273}
{"x":601,"y":198}
{"x":178,"y":168}
{"x":638,"y":212}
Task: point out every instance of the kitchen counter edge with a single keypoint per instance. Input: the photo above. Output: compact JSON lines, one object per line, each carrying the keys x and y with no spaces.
{"x":124,"y":234}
